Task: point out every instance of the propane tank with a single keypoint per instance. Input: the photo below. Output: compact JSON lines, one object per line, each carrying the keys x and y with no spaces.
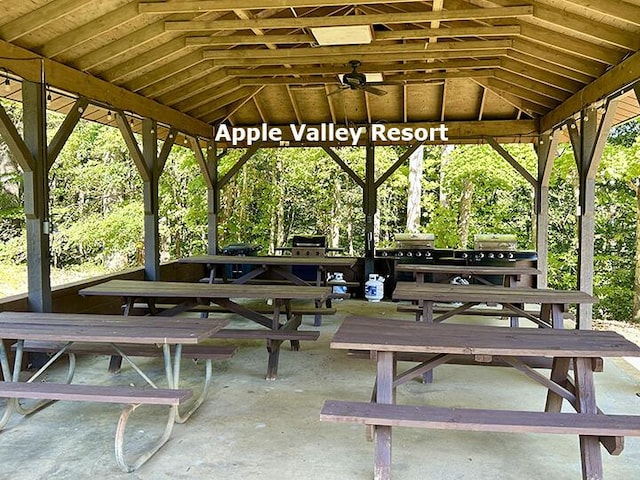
{"x":339,"y":285}
{"x":374,"y":288}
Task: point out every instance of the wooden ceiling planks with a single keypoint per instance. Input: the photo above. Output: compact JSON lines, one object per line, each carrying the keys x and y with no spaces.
{"x":250,"y":61}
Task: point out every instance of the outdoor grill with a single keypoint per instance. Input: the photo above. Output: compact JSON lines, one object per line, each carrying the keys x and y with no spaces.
{"x":489,"y":250}
{"x":308,"y":246}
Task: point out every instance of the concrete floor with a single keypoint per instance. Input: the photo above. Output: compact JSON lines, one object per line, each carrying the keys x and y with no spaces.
{"x":253,"y":429}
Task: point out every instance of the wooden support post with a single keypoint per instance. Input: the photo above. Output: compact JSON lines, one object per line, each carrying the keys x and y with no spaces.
{"x":150,"y":167}
{"x":36,"y":197}
{"x":36,"y":159}
{"x":587,"y":145}
{"x":213,"y":198}
{"x":370,"y":205}
{"x":151,"y":200}
{"x":209,"y":168}
{"x":547,"y":151}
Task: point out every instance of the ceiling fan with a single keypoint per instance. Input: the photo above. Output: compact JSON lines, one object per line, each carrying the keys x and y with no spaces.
{"x":355,"y":80}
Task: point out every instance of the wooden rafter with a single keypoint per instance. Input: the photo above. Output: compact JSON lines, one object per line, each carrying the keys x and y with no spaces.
{"x":386,"y":19}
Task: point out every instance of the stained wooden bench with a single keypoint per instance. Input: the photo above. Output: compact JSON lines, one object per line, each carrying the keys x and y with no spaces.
{"x":266,"y":309}
{"x":195,"y":352}
{"x":482,"y":312}
{"x":533,"y":362}
{"x":479,"y":420}
{"x":131,"y":396}
{"x":205,"y":352}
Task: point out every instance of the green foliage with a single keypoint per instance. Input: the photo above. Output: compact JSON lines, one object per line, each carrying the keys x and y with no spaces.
{"x":97,"y":212}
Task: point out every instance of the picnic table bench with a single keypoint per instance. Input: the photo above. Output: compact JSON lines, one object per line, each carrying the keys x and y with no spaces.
{"x":99,"y":331}
{"x":389,"y":338}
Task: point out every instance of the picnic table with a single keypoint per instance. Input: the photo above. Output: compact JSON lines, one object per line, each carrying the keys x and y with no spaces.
{"x":166,"y":335}
{"x":553,"y":303}
{"x":388,"y":338}
{"x":226,"y":296}
{"x":274,"y":269}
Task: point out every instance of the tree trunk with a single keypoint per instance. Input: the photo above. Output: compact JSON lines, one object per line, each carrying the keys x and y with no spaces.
{"x":466,"y":201}
{"x":334,"y":221}
{"x":414,"y":196}
{"x":445,"y":157}
{"x":636,"y":282}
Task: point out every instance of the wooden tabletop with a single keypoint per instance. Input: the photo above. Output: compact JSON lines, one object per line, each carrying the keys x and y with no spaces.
{"x":276,"y":260}
{"x":368,"y":333}
{"x":107,"y":328}
{"x":150,"y":289}
{"x":467,"y":269}
{"x":439,"y":292}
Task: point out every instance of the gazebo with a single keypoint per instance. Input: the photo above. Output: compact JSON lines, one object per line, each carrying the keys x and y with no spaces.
{"x":191,"y":72}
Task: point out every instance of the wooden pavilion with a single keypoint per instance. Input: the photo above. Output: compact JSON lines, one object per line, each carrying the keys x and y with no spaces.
{"x":492,"y":71}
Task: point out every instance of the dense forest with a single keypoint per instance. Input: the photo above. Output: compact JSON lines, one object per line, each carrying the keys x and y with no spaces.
{"x":97,"y":214}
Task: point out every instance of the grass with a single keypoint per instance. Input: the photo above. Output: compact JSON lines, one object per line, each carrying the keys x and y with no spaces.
{"x":13,"y":278}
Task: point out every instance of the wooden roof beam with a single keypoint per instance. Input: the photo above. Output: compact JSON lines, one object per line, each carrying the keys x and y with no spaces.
{"x":296,"y":108}
{"x":327,"y":21}
{"x":223,"y":5}
{"x":207,"y":96}
{"x":29,"y":66}
{"x":418,"y":34}
{"x":398,"y":79}
{"x":540,"y":75}
{"x":168,"y":71}
{"x":241,"y":94}
{"x":198,"y":84}
{"x":573,"y":46}
{"x":533,"y":85}
{"x":182,"y":78}
{"x":38,"y":18}
{"x":527,"y":130}
{"x":318,"y":53}
{"x":119,"y":47}
{"x":530,"y":108}
{"x":392,"y":57}
{"x":621,"y":77}
{"x":530,"y":60}
{"x":140,"y":64}
{"x":563,"y":59}
{"x":585,"y":27}
{"x":613,"y":8}
{"x":89,"y":30}
{"x":458,"y":64}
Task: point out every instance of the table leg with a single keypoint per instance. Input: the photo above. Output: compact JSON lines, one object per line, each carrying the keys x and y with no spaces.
{"x":557,"y":317}
{"x":385,"y":393}
{"x":559,"y":375}
{"x":586,"y":402}
{"x":427,"y":316}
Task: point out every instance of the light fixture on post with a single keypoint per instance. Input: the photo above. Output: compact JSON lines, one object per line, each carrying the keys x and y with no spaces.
{"x":109,"y":115}
{"x":7,"y":81}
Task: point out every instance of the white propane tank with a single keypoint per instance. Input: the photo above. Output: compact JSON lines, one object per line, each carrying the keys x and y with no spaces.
{"x":374,"y":288}
{"x":339,"y":285}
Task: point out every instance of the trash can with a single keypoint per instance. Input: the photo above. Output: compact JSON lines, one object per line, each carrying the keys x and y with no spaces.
{"x":237,"y":270}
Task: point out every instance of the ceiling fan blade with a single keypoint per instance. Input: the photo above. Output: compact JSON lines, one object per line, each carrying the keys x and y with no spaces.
{"x":374,"y":90}
{"x":338,"y":90}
